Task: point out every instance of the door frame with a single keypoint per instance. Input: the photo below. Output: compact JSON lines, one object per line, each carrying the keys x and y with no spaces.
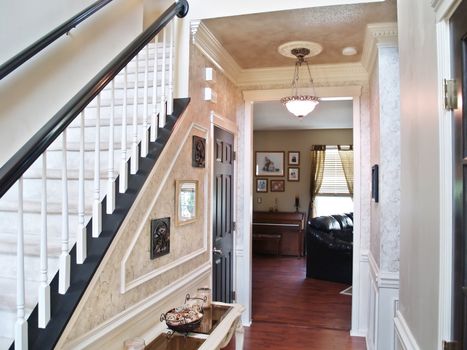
{"x":228,"y":125}
{"x":443,"y":11}
{"x":245,"y":165}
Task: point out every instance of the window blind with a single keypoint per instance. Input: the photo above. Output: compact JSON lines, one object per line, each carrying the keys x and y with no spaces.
{"x":333,"y":177}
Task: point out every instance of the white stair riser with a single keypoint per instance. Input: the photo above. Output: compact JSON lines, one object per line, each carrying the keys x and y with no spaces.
{"x":32,"y":190}
{"x":33,"y":273}
{"x":32,"y":223}
{"x":74,"y":134}
{"x":54,"y":159}
{"x":7,"y":322}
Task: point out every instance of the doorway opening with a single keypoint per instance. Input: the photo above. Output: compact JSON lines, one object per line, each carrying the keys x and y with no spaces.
{"x":282,"y":295}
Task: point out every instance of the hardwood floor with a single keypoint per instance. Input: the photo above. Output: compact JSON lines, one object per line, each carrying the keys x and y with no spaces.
{"x":293,"y":312}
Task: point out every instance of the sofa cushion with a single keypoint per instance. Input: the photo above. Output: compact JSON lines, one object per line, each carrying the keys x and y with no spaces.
{"x":325,"y":223}
{"x":344,"y":221}
{"x":343,"y":235}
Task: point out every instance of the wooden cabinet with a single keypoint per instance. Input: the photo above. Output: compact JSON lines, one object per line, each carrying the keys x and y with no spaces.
{"x":280,"y":233}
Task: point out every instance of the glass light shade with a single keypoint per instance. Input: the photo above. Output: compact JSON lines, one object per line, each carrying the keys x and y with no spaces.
{"x":300,"y":106}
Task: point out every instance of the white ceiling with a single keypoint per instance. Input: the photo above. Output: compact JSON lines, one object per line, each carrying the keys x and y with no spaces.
{"x":272,"y":115}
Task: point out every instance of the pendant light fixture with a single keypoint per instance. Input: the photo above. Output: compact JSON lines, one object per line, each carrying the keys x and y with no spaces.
{"x":300,"y":104}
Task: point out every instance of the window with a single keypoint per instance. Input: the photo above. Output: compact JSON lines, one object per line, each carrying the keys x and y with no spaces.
{"x":333,"y":197}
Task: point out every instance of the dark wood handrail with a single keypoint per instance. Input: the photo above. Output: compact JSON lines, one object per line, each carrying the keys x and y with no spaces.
{"x":15,"y":167}
{"x":17,"y":60}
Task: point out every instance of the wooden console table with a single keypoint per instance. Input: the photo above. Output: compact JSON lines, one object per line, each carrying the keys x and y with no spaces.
{"x":219,"y":323}
{"x":280,"y":233}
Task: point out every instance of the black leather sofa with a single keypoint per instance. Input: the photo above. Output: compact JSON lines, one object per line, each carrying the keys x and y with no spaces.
{"x":330,"y":247}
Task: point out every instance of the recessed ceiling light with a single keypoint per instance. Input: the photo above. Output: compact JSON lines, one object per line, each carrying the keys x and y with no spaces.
{"x":349,"y":51}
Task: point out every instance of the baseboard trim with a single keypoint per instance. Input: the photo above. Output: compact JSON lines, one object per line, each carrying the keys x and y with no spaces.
{"x":404,"y":334}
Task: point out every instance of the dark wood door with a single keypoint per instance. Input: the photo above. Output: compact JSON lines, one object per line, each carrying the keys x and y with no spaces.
{"x":222,"y":216}
{"x":459,"y":47}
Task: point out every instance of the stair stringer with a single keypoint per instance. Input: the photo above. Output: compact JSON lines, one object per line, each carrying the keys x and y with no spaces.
{"x":122,"y":313}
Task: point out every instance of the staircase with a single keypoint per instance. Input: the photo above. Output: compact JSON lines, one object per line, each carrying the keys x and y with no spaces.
{"x":102,"y":148}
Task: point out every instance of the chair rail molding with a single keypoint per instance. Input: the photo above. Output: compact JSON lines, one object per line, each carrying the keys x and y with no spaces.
{"x":405,"y":337}
{"x":139,"y":314}
{"x":125,"y":285}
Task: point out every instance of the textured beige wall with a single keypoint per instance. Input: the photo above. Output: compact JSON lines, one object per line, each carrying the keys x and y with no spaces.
{"x":103,"y":300}
{"x":293,"y":140}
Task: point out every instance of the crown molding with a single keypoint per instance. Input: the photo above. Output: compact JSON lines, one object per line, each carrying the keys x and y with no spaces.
{"x":444,"y":8}
{"x":377,"y":35}
{"x":323,"y":75}
{"x":208,"y":44}
{"x":273,"y":77}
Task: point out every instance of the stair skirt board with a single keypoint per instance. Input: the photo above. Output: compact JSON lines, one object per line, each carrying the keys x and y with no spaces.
{"x":64,"y":305}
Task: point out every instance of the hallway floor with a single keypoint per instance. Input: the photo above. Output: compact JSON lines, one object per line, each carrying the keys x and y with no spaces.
{"x":292,"y":312}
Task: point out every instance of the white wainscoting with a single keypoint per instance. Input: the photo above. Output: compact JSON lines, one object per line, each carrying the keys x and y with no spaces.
{"x":404,"y":337}
{"x":360,"y":324}
{"x":142,"y":319}
{"x":384,"y":298}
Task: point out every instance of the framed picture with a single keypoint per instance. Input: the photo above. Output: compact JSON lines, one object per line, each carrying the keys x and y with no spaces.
{"x":294,"y":157}
{"x":160,"y":237}
{"x":277,"y":185}
{"x":261,"y":185}
{"x":269,"y":163}
{"x":186,"y":201}
{"x":293,"y":174}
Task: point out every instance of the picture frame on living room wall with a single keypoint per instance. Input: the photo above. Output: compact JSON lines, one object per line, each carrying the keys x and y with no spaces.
{"x":277,"y":185}
{"x":293,"y":158}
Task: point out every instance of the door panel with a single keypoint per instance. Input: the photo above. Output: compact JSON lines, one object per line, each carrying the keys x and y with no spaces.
{"x":459,"y":45}
{"x":223,"y":222}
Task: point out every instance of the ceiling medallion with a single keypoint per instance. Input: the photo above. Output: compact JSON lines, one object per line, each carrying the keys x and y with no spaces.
{"x":298,"y":104}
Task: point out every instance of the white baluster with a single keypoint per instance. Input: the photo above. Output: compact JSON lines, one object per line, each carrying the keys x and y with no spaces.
{"x":134,"y":148}
{"x":110,"y":207}
{"x":64,"y":274}
{"x":144,"y":140}
{"x":163,"y":110}
{"x":44,"y":288}
{"x":170,"y":97}
{"x":81,"y":237}
{"x":21,"y":325}
{"x":97,"y":206}
{"x":154,"y":125}
{"x":123,"y":177}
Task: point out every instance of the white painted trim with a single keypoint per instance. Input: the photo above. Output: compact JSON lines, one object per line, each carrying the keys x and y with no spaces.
{"x":446,"y":195}
{"x":243,"y":250}
{"x":404,"y":334}
{"x":361,"y":285}
{"x":323,"y":74}
{"x":126,"y":286}
{"x":208,"y":44}
{"x":377,"y":35}
{"x":106,"y":329}
{"x":251,"y":96}
{"x":444,"y":8}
